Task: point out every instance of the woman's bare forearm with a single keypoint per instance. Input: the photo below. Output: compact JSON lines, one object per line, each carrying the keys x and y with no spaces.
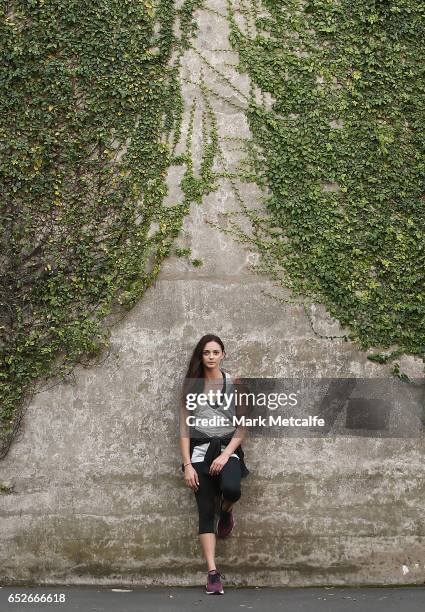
{"x":237,"y":439}
{"x":185,"y":448}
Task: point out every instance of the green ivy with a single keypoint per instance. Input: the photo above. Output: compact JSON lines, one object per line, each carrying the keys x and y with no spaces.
{"x":341,"y":152}
{"x":91,"y":112}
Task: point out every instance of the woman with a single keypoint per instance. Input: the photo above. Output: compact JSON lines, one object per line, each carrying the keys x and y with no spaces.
{"x":213,"y":459}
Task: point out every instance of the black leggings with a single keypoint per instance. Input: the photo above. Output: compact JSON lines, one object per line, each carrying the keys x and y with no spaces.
{"x":227,"y":481}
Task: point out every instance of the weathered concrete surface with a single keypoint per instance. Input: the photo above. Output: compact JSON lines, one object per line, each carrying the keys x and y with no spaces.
{"x":98,"y":496}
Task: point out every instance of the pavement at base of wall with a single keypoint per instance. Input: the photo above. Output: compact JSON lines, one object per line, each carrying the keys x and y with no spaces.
{"x":184,"y":599}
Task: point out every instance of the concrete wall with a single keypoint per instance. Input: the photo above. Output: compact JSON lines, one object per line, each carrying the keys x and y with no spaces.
{"x":98,"y":495}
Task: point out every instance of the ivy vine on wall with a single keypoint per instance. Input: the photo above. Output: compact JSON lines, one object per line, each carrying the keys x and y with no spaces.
{"x":91,"y":113}
{"x":340,"y":147}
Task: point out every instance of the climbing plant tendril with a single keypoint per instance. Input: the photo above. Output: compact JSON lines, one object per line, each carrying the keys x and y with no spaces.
{"x":340,"y":149}
{"x":91,"y":111}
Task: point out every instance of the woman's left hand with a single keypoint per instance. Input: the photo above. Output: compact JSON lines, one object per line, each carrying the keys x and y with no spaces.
{"x":218,"y":464}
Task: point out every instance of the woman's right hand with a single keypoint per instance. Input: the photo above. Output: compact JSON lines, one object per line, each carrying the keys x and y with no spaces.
{"x":191,"y":477}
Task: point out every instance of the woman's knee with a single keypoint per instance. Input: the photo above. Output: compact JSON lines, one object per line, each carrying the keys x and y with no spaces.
{"x":206,"y":511}
{"x":231,"y":493}
{"x":206,"y":521}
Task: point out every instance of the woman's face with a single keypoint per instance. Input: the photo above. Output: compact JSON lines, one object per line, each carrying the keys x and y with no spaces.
{"x":212,"y":355}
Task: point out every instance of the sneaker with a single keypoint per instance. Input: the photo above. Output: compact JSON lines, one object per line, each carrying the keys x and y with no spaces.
{"x":225,"y":524}
{"x":214,"y":585}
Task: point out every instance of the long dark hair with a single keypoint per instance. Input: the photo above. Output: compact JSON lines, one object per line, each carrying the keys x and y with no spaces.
{"x":193,"y":382}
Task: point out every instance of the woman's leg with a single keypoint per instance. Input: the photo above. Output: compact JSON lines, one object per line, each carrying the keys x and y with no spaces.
{"x":208,"y":548}
{"x":230,"y":483}
{"x":205,"y":499}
